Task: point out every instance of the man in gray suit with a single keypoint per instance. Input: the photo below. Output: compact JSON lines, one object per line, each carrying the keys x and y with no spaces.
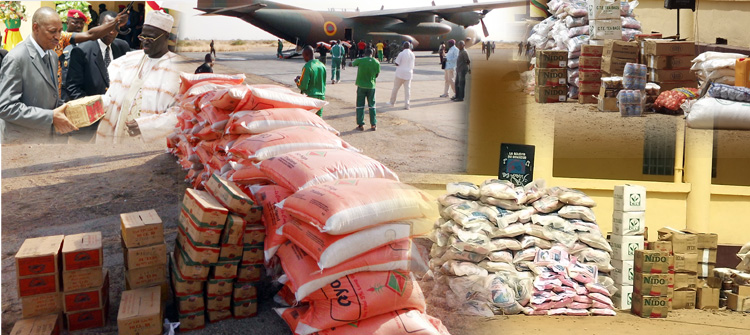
{"x":29,"y":102}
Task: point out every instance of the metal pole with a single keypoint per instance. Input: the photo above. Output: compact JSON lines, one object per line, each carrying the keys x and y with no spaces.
{"x":678,"y":23}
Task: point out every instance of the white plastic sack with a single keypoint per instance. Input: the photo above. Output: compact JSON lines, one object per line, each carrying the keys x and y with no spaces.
{"x":712,"y":113}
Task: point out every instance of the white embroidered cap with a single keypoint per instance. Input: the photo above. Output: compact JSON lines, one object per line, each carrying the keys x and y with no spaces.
{"x":159,"y":19}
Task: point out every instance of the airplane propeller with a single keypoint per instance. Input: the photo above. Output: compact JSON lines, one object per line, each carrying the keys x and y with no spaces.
{"x":481,"y":20}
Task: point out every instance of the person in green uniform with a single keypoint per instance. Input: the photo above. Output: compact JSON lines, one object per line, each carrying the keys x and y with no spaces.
{"x":380,"y":46}
{"x":368,"y":69}
{"x":337,"y":55}
{"x":279,"y":49}
{"x":312,"y":81}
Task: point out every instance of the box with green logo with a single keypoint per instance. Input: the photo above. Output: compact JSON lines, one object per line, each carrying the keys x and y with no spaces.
{"x":653,"y":261}
{"x":623,"y":298}
{"x":624,"y":247}
{"x":630,"y":198}
{"x":649,"y":306}
{"x":628,"y":223}
{"x":623,"y":272}
{"x":653,"y":284}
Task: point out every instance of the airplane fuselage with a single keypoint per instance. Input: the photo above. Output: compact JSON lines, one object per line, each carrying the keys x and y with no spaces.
{"x":306,"y":27}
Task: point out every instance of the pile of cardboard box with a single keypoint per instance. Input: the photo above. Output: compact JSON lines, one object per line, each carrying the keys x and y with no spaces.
{"x":669,"y":63}
{"x":62,"y":274}
{"x":551,"y":73}
{"x":614,"y":57}
{"x":628,"y":225}
{"x":652,"y":281}
{"x":683,"y":246}
{"x":218,"y":257}
{"x":604,"y":21}
{"x":739,"y":298}
{"x":589,"y":73}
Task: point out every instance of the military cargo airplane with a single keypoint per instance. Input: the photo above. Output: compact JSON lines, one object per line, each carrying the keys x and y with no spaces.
{"x":425,"y":27}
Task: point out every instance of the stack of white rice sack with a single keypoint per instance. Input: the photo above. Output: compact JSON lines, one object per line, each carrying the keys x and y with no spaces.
{"x":492,"y":247}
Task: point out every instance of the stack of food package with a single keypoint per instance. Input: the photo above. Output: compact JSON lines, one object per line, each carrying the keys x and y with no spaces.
{"x":332,"y":216}
{"x":669,"y":63}
{"x":85,"y":281}
{"x":590,"y":73}
{"x":37,"y":276}
{"x":628,"y":227}
{"x":568,"y":29}
{"x":632,"y":99}
{"x":551,"y":76}
{"x":615,"y":55}
{"x":144,"y":251}
{"x":502,"y":249}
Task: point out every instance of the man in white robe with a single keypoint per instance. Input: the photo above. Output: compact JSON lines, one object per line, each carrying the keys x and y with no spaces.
{"x":144,"y":84}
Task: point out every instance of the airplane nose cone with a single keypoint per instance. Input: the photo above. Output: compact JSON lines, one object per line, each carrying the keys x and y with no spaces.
{"x":471,"y":37}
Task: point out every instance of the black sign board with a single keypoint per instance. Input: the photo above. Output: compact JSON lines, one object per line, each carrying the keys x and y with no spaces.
{"x":516,"y":163}
{"x":679,"y":4}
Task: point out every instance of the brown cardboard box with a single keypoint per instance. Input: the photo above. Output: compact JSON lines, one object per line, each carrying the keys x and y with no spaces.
{"x":590,"y":62}
{"x":163,"y":288}
{"x":252,"y":255}
{"x":83,"y":279}
{"x":551,"y":77}
{"x":551,"y":59}
{"x":589,"y":86}
{"x":249,"y":273}
{"x":141,"y":228}
{"x":219,"y":302}
{"x":620,"y":49}
{"x":590,"y":75}
{"x":649,"y":307}
{"x":550,"y":94}
{"x":82,"y":251}
{"x":205,"y":255}
{"x":219,"y":315}
{"x":608,"y":104}
{"x":588,"y":98}
{"x":148,"y":276}
{"x":705,"y":240}
{"x":205,"y":208}
{"x":192,"y":321}
{"x":244,"y":309}
{"x":714,"y":282}
{"x":200,"y":234}
{"x":231,"y":196}
{"x":215,"y":287}
{"x":234,"y":230}
{"x":608,"y":92}
{"x":190,"y":303}
{"x":742,"y":290}
{"x":684,"y":299}
{"x":87,"y":299}
{"x":50,"y":324}
{"x":142,"y":257}
{"x":189,"y":269}
{"x":244,"y":291}
{"x":671,"y":75}
{"x":651,"y":284}
{"x":140,"y":312}
{"x":225,"y":270}
{"x":705,"y":270}
{"x":663,"y":246}
{"x":738,"y":303}
{"x":38,"y":256}
{"x":668,"y":48}
{"x":254,"y":234}
{"x":707,"y":298}
{"x":652,"y":261}
{"x":686,"y":263}
{"x":42,"y":304}
{"x":230,"y":252}
{"x":614,"y":66}
{"x":93,"y":318}
{"x":43,"y":284}
{"x":669,"y":62}
{"x":682,"y":243}
{"x":85,"y":111}
{"x":684,"y":281}
{"x":592,"y":50}
{"x":182,"y":286}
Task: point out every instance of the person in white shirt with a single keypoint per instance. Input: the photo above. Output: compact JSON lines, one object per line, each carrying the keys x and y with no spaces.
{"x":404,"y":72}
{"x":450,"y":68}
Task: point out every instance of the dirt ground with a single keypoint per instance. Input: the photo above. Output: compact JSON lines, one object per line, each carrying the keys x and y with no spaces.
{"x":52,"y":189}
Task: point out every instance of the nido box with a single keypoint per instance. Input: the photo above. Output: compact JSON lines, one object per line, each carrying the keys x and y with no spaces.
{"x":551,"y":59}
{"x":38,"y":256}
{"x":653,"y":261}
{"x":205,"y":208}
{"x":550,"y":94}
{"x":628,"y":223}
{"x":141,"y":228}
{"x":92,"y":298}
{"x":650,"y":306}
{"x":50,"y":324}
{"x":42,"y":304}
{"x":140,"y":312}
{"x":651,"y":284}
{"x":662,"y":246}
{"x":551,"y":77}
{"x":82,"y":251}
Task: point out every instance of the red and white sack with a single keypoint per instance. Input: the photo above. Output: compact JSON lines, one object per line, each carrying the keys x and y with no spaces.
{"x":402,"y":322}
{"x":261,"y":121}
{"x":300,"y":169}
{"x":273,"y":217}
{"x":265,"y":97}
{"x":280,"y":141}
{"x":348,"y":205}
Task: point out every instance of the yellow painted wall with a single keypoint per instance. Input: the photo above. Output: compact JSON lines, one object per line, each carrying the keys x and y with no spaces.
{"x":733,"y":158}
{"x":712,"y":19}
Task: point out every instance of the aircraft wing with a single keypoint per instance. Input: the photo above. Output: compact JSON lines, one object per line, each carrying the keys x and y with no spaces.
{"x":233,"y":11}
{"x":404,"y":13}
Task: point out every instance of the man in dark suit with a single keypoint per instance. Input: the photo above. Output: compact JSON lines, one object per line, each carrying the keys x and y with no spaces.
{"x":87,"y":70}
{"x":29,"y":103}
